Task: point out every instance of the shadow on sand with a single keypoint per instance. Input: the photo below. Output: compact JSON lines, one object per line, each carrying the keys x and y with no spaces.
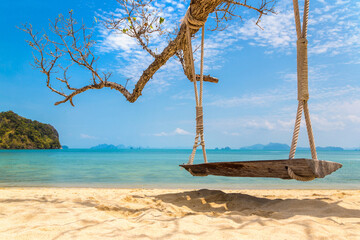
{"x":204,"y":200}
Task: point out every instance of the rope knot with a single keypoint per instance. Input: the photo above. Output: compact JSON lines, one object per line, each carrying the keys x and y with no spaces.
{"x":199,"y":120}
{"x":302,"y":69}
{"x":192,"y":22}
{"x":302,"y":41}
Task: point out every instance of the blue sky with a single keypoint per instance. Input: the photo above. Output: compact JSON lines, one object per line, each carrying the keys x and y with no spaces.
{"x":254,"y":102}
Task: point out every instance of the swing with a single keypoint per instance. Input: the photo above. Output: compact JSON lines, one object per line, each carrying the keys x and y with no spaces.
{"x":301,"y":169}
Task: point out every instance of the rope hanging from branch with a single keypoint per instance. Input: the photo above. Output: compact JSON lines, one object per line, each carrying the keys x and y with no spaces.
{"x":303,"y":88}
{"x":192,"y":23}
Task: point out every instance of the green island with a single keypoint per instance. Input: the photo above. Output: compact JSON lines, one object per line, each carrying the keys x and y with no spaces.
{"x":17,"y":132}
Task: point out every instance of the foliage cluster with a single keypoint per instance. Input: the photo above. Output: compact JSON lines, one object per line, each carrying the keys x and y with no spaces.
{"x":17,"y":132}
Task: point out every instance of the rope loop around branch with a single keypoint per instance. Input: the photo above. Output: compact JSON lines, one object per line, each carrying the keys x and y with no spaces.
{"x":192,"y":22}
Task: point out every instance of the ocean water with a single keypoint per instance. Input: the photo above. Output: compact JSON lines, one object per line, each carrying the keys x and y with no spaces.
{"x":156,"y":168}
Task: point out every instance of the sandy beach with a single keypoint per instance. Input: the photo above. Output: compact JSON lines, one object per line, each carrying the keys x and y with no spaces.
{"x":94,"y":213}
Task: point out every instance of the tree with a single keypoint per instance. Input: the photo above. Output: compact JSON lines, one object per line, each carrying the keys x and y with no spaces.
{"x":137,"y":20}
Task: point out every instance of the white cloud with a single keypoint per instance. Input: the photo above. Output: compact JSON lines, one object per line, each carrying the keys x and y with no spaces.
{"x":286,"y":124}
{"x":289,"y":77}
{"x":354,"y":118}
{"x":263,"y":124}
{"x":231,"y":133}
{"x":184,"y":95}
{"x":286,"y":91}
{"x":331,"y":109}
{"x":133,"y":60}
{"x":116,"y":42}
{"x":327,"y":124}
{"x":333,"y":29}
{"x":177,"y":131}
{"x":278,"y":31}
{"x":255,"y":99}
{"x":180,"y":131}
{"x":85,"y":136}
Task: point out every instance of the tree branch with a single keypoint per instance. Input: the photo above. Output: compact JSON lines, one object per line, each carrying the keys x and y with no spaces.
{"x":139,"y":23}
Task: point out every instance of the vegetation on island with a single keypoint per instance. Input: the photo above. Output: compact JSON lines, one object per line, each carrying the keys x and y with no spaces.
{"x":17,"y":132}
{"x":113,"y":147}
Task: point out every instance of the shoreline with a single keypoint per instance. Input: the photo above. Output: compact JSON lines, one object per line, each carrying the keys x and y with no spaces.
{"x":123,"y":213}
{"x":226,"y":187}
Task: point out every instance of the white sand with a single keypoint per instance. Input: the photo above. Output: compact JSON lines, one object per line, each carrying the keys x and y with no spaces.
{"x":74,"y":213}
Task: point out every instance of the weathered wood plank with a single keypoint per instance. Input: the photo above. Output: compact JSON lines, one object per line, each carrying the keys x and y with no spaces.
{"x":265,"y":168}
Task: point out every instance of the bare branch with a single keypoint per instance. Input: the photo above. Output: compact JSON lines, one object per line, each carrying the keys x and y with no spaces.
{"x":101,"y":85}
{"x":226,"y":11}
{"x":73,"y":41}
{"x":138,"y":22}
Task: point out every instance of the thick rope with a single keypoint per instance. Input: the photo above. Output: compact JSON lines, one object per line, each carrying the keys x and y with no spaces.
{"x":192,"y":70}
{"x":189,"y":53}
{"x":302,"y":70}
{"x":297,"y":18}
{"x":202,"y":143}
{"x":296,"y":130}
{"x":305,"y":18}
{"x":303,"y":88}
{"x":192,"y":23}
{"x":202,"y":65}
{"x":309,"y":131}
{"x":299,"y":178}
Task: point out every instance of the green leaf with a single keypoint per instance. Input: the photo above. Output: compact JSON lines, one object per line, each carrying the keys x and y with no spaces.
{"x":161,"y":20}
{"x":95,"y":19}
{"x":125,"y":30}
{"x":134,"y":18}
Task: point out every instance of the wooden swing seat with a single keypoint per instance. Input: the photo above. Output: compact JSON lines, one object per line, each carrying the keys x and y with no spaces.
{"x":265,"y":168}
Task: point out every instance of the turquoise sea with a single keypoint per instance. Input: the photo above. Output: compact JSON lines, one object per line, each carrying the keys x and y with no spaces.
{"x":156,"y":168}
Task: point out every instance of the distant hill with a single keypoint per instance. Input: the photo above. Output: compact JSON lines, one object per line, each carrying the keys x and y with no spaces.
{"x":329,"y":149}
{"x":17,"y":132}
{"x":280,"y":147}
{"x":322,"y":148}
{"x":112,"y":147}
{"x":225,"y":148}
{"x":104,"y":147}
{"x":268,"y":147}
